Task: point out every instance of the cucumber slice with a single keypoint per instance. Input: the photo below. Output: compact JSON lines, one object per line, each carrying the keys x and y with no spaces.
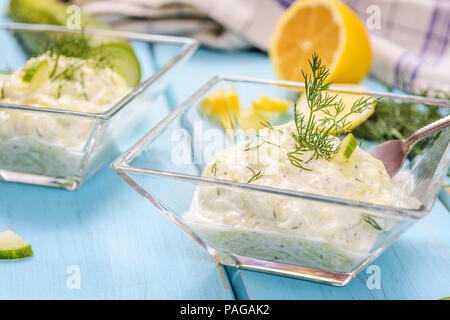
{"x":53,"y":12}
{"x":122,"y":59}
{"x":346,"y":149}
{"x":37,"y":73}
{"x":13,"y":247}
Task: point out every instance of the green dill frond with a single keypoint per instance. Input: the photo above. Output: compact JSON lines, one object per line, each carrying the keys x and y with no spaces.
{"x":261,"y":141}
{"x":313,"y":135}
{"x":59,"y":90}
{"x":266,"y":124}
{"x":249,"y":145}
{"x":83,"y":87}
{"x":68,"y":73}
{"x":75,"y":46}
{"x":398,"y":120}
{"x":256,"y":175}
{"x":372,"y":222}
{"x":214,"y":167}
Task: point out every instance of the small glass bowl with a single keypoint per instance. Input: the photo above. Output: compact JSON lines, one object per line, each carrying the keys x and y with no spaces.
{"x":153,"y":168}
{"x":33,"y":159}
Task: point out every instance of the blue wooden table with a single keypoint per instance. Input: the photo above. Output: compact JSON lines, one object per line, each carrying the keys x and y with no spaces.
{"x":104,"y":241}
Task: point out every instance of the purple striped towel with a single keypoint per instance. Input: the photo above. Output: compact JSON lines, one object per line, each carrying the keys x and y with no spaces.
{"x":409,"y":38}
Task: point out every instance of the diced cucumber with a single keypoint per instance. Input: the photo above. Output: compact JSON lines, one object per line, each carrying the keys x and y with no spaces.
{"x":13,"y":247}
{"x":123,"y":61}
{"x":37,"y":73}
{"x":346,"y":149}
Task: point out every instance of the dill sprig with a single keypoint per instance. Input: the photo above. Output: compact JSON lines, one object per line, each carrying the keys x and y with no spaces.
{"x":75,"y":46}
{"x":267,"y":125}
{"x":372,"y":222}
{"x":214,"y":167}
{"x":78,"y":46}
{"x":68,"y":73}
{"x":256,"y":175}
{"x":398,"y":120}
{"x":314,"y":135}
{"x":59,"y":91}
{"x":248,"y":146}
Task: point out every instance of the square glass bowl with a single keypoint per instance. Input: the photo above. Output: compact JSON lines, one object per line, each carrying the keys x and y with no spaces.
{"x":40,"y":145}
{"x":165,"y":167}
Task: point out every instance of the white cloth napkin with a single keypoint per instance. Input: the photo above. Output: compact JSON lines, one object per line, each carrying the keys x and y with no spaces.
{"x":409,"y":40}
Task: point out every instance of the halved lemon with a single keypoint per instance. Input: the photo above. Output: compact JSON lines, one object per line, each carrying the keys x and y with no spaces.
{"x":327,"y":27}
{"x":348,"y":99}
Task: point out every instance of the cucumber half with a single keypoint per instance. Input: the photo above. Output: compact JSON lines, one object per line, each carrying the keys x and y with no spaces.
{"x":13,"y":247}
{"x":346,"y":149}
{"x":122,"y":60}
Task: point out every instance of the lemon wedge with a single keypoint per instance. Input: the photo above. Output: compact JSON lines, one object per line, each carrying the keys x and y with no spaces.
{"x":327,"y":27}
{"x":267,"y":104}
{"x":221,"y":102}
{"x":348,"y":99}
{"x":224,"y":106}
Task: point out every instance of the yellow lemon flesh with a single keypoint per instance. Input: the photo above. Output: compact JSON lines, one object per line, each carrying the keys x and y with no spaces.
{"x":225,"y":105}
{"x":348,"y":100}
{"x":327,"y":27}
{"x":221,"y":102}
{"x":267,"y":104}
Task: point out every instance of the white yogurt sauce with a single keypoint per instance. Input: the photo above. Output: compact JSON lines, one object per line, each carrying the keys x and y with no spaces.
{"x":289,"y":230}
{"x":50,"y":144}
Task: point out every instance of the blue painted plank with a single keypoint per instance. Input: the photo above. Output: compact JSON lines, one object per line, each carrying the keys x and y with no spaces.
{"x":122,"y":247}
{"x":415,"y":267}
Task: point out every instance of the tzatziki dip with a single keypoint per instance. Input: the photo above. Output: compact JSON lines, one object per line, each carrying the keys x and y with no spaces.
{"x":290,"y":230}
{"x":47,"y":143}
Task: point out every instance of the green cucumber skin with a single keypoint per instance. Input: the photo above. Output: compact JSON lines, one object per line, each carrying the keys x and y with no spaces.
{"x":349,"y":145}
{"x":31,"y":72}
{"x":21,"y":253}
{"x":47,"y":12}
{"x":28,"y":75}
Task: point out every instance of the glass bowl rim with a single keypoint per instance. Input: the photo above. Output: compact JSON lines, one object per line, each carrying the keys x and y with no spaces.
{"x":121,"y":164}
{"x":189,"y":46}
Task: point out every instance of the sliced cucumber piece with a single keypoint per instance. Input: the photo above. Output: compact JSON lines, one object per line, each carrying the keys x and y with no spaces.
{"x":13,"y":247}
{"x":37,"y":74}
{"x":124,"y":60}
{"x":346,"y":149}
